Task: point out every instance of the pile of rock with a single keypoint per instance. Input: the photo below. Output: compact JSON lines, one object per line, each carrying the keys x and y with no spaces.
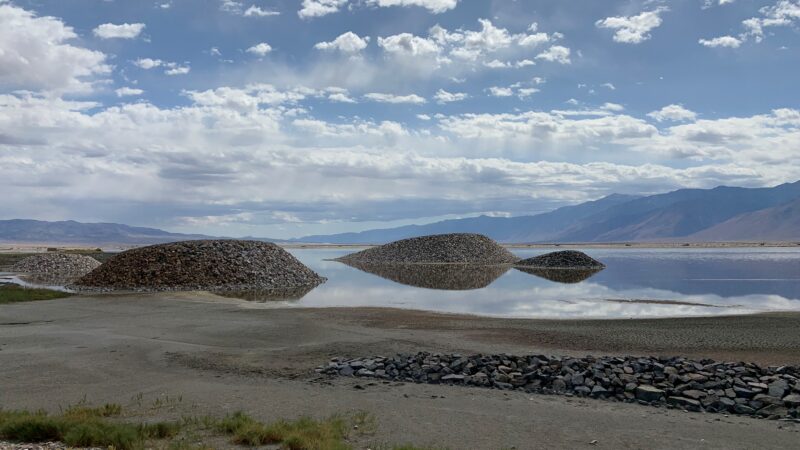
{"x":451,"y":277}
{"x":214,"y":265}
{"x":461,"y":248}
{"x":704,"y":385}
{"x":566,"y":259}
{"x":54,"y":268}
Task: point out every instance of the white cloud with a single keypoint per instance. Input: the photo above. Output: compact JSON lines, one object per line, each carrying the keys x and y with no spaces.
{"x":255,"y":11}
{"x":783,"y":13}
{"x":497,"y":91}
{"x":633,"y":29}
{"x":556,"y":53}
{"x":348,"y":42}
{"x":613,"y":107}
{"x":319,"y":8}
{"x":424,"y":117}
{"x":675,"y":113}
{"x":443,"y":96}
{"x":526,"y":92}
{"x":609,"y":86}
{"x":170,"y":68}
{"x":408,"y":44}
{"x":148,"y":63}
{"x":260,"y":49}
{"x":178,"y":70}
{"x":35,"y":54}
{"x":722,"y":41}
{"x":127,"y":91}
{"x":434,"y":6}
{"x":391,"y":98}
{"x":121,"y":31}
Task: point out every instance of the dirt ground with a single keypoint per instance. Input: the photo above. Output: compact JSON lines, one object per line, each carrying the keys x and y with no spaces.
{"x":168,"y":355}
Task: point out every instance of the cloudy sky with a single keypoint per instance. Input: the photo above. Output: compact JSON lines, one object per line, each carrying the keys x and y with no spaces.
{"x":284,"y":118}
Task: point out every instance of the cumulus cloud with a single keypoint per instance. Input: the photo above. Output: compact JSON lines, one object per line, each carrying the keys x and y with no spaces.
{"x":391,"y":98}
{"x":128,"y":91}
{"x":170,"y":68}
{"x":348,"y":42}
{"x":35,"y":54}
{"x":443,"y":96}
{"x":260,"y":49}
{"x":497,"y":91}
{"x":255,"y":11}
{"x":783,"y":13}
{"x":121,"y":31}
{"x":434,"y":6}
{"x":318,"y":8}
{"x":675,"y":113}
{"x":556,"y":53}
{"x":722,"y":41}
{"x":633,"y":29}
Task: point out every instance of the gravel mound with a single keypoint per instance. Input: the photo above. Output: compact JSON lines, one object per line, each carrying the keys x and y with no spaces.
{"x":54,"y":268}
{"x":566,"y":276}
{"x":692,"y":385}
{"x":450,"y":277}
{"x":214,"y":265}
{"x":567,"y":259}
{"x":460,"y":248}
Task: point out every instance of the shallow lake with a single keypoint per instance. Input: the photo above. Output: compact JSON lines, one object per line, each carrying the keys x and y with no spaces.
{"x":636,"y":283}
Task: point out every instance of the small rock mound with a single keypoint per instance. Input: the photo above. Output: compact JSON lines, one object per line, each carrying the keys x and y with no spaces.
{"x":54,"y":268}
{"x":567,"y":259}
{"x":221,"y":265}
{"x":460,"y":248}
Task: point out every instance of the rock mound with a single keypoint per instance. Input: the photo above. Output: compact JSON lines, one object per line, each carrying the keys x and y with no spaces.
{"x":220,"y":265}
{"x":54,"y":268}
{"x":567,"y":259}
{"x":450,"y":277}
{"x":459,"y":248}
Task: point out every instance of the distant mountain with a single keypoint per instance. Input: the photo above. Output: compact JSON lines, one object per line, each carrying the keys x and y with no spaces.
{"x":504,"y":229}
{"x":780,"y":223}
{"x":683,"y":214}
{"x":71,"y":232}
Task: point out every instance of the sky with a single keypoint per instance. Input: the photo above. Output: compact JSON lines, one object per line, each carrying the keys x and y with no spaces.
{"x":284,"y":118}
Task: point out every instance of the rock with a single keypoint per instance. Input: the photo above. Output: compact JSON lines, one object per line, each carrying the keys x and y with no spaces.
{"x":453,"y":377}
{"x":54,"y":268}
{"x":346,"y":371}
{"x":683,"y":402}
{"x":773,"y":410}
{"x":743,"y":409}
{"x":213,"y":265}
{"x":792,"y":400}
{"x":649,"y":393}
{"x":694,"y":394}
{"x":567,"y":259}
{"x":778,"y":388}
{"x":599,"y":391}
{"x":462,"y":248}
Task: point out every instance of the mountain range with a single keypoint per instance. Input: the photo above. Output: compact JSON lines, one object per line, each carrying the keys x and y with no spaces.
{"x":688,"y":215}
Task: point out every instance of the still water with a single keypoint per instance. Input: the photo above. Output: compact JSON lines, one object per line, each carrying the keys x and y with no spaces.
{"x":636,"y":283}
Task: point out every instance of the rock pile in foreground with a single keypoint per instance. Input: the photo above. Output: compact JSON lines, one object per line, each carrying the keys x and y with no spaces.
{"x":460,"y":248}
{"x":220,"y":265}
{"x":705,"y":385}
{"x":54,"y":268}
{"x":566,"y":259}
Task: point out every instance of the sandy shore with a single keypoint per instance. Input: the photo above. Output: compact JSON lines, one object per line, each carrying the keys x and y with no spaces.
{"x":219,"y":355}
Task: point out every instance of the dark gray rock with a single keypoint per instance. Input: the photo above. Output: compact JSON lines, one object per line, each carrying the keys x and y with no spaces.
{"x":649,"y":393}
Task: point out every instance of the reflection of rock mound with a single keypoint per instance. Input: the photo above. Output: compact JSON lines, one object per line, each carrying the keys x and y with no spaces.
{"x":561,"y":275}
{"x":453,"y":277}
{"x":567,"y":259}
{"x":268,"y":295}
{"x":441,"y":248}
{"x":209,"y":265}
{"x":54,"y":268}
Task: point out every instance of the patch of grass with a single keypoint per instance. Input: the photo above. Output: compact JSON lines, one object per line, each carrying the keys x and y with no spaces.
{"x":12,"y":293}
{"x":82,"y":426}
{"x":301,"y":434}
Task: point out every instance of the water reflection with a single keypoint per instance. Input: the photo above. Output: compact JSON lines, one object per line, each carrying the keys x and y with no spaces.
{"x":268,"y":295}
{"x":566,"y":276}
{"x":450,"y":277}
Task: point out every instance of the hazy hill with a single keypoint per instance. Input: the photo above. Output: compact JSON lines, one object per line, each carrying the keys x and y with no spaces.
{"x":505,"y":229}
{"x":71,"y":232}
{"x":771,"y":224}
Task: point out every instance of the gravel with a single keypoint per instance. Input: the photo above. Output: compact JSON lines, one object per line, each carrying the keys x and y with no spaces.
{"x":695,"y":385}
{"x":451,"y":277}
{"x":460,"y":248}
{"x":214,"y":265}
{"x":566,"y":259}
{"x":54,"y":268}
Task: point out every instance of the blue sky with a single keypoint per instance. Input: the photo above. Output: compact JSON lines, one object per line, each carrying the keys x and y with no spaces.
{"x":286,"y":118}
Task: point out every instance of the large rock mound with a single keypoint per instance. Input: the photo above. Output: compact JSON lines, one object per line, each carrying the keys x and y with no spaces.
{"x":216,"y":265}
{"x":54,"y":268}
{"x":567,"y":259}
{"x":460,"y":248}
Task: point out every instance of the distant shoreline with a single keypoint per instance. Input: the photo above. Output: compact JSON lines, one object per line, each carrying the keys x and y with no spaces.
{"x":43,"y":247}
